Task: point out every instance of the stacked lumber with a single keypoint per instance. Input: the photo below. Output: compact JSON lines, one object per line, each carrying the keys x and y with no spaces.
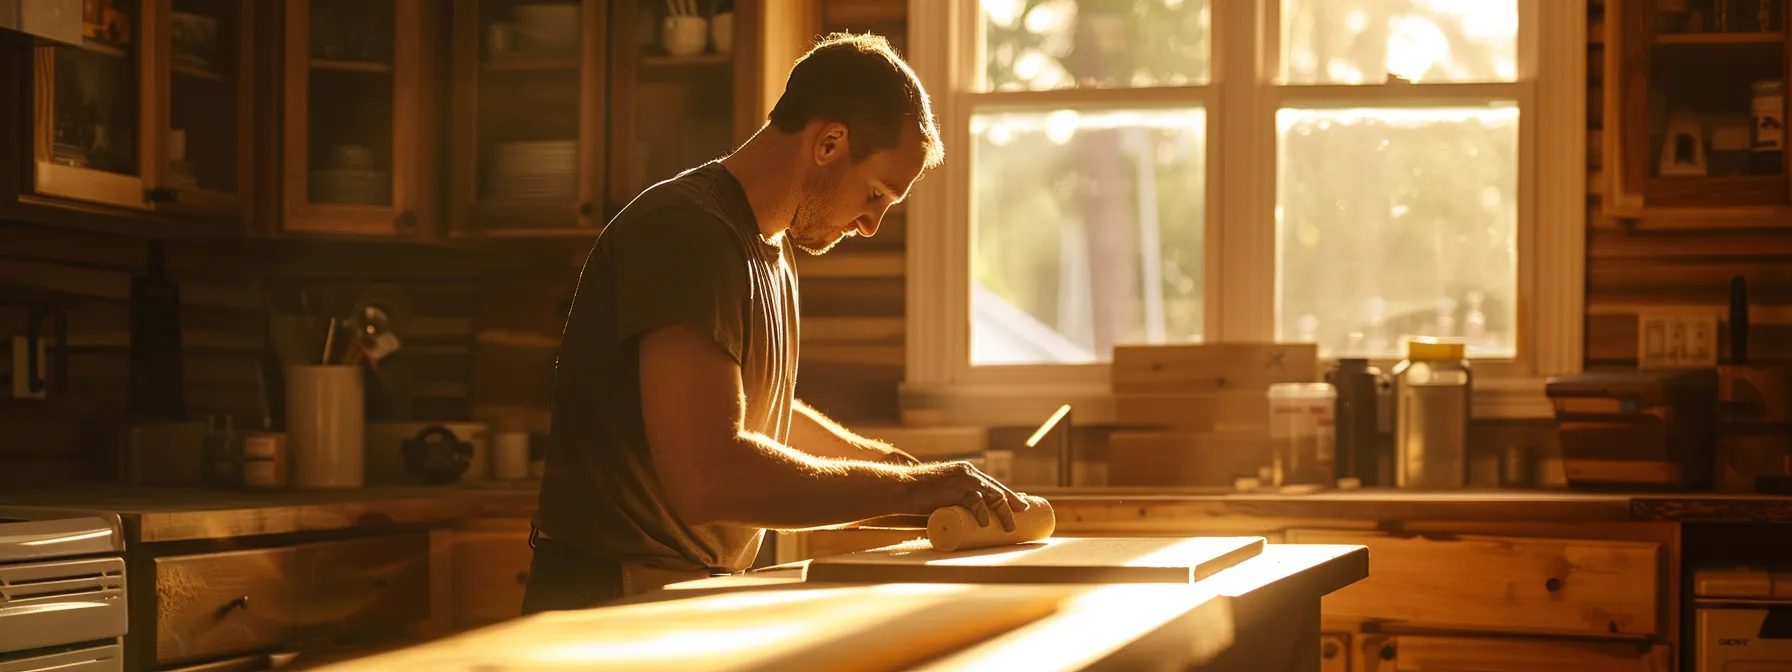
{"x":1197,"y":415}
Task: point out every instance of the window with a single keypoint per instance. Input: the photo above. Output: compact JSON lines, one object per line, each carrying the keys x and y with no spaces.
{"x":1347,"y":172}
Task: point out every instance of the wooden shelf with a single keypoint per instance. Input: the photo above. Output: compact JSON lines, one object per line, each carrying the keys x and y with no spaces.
{"x":199,"y":73}
{"x":1739,"y":190}
{"x":847,"y":264}
{"x":676,"y":62}
{"x":104,"y":49}
{"x":351,"y":66}
{"x":531,"y":66}
{"x":1719,"y":38}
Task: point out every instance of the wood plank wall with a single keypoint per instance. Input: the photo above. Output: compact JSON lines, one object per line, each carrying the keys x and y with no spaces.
{"x":223,"y":331}
{"x":1630,"y":269}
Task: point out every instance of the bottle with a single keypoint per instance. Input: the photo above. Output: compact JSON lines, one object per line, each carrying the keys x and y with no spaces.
{"x":1354,"y":420}
{"x":1432,"y":395}
{"x":1301,"y":433}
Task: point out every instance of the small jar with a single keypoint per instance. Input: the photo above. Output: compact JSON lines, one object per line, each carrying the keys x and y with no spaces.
{"x":1768,"y":143}
{"x":1301,"y":418}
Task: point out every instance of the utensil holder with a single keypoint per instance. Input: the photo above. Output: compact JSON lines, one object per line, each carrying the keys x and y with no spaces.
{"x":325,"y":426}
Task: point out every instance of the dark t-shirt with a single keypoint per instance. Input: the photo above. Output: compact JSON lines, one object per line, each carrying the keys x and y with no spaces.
{"x":686,"y":252}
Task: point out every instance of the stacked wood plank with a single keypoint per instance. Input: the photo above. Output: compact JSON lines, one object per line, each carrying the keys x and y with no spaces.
{"x":1198,"y":414}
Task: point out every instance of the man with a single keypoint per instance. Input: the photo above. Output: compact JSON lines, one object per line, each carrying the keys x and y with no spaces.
{"x":677,"y":439}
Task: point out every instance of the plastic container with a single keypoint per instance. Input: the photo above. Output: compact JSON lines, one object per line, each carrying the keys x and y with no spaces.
{"x":1432,"y":397}
{"x":1301,"y":433}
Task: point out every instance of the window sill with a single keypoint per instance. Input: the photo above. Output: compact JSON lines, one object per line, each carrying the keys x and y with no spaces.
{"x":1029,"y":405}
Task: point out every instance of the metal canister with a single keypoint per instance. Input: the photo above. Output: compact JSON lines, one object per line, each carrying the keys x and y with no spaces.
{"x":1432,"y":392}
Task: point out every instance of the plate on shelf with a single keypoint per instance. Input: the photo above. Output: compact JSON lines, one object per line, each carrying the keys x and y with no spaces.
{"x":534,"y":170}
{"x":351,"y":186}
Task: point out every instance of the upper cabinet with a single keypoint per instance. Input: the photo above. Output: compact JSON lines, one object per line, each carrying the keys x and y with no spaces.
{"x":528,"y":138}
{"x":357,"y":151}
{"x":1695,"y":110}
{"x":151,"y":113}
{"x":565,"y":111}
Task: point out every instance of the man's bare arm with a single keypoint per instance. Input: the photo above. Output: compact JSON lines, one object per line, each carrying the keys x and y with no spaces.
{"x":818,"y":435}
{"x":693,"y":405}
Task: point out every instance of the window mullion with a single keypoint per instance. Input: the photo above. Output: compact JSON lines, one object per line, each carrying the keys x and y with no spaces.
{"x":1244,"y":258}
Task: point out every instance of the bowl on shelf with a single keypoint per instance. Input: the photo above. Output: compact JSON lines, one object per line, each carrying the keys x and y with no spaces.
{"x":721,"y":32}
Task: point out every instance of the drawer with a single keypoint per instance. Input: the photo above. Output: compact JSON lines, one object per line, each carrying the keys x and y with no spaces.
{"x":1501,"y":584}
{"x":490,"y":564}
{"x":1406,"y":653}
{"x":356,"y":587}
{"x":217,"y":604}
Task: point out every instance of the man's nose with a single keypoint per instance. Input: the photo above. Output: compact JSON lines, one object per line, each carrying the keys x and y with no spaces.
{"x":869,"y":222}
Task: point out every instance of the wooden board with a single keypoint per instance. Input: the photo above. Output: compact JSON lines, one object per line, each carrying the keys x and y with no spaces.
{"x":1056,"y":560}
{"x":1202,"y":367}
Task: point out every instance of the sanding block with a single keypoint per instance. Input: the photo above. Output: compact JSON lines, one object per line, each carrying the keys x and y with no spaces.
{"x":955,"y":528}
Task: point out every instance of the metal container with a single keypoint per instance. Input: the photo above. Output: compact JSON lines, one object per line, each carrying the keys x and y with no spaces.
{"x":1433,"y":397}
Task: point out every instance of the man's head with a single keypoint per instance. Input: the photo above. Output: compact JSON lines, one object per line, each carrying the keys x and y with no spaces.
{"x":867,"y":134}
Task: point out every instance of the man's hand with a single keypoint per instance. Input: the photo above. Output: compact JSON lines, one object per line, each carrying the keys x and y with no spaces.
{"x":943,"y":484}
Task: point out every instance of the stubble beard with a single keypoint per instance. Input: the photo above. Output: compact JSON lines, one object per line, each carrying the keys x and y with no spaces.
{"x":810,"y":230}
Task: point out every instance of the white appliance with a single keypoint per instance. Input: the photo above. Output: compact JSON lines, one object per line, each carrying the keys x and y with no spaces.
{"x":62,"y":591}
{"x":1744,"y":620}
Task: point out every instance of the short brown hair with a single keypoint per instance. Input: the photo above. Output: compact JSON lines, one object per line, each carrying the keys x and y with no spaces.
{"x":859,"y":81}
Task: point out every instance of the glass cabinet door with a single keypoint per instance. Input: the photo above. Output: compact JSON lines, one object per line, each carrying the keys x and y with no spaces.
{"x":1700,"y":104}
{"x":528,"y":123}
{"x":90,"y":111}
{"x":352,"y":111}
{"x":672,"y":89}
{"x":205,"y":159}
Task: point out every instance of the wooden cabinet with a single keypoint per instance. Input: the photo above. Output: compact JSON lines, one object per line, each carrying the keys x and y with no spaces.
{"x":1694,"y":110}
{"x":490,"y":566}
{"x":218,"y":604}
{"x":152,"y":113}
{"x":529,"y":117}
{"x":212,"y":605}
{"x":357,"y":149}
{"x":1501,"y":584}
{"x":1376,"y":653}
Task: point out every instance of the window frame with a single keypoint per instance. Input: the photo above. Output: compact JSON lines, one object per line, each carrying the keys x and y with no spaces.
{"x":1240,"y":101}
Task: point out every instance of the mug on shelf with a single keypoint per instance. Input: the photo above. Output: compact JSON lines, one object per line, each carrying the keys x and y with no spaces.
{"x":685,"y":35}
{"x":721,"y":32}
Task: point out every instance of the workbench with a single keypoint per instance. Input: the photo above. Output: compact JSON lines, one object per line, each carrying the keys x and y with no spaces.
{"x":1261,"y":614}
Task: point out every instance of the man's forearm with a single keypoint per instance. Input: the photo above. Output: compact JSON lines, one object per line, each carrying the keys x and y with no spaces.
{"x":764,"y":484}
{"x":816,"y":434}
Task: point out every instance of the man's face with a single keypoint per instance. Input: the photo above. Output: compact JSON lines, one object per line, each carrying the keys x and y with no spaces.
{"x":841,"y":198}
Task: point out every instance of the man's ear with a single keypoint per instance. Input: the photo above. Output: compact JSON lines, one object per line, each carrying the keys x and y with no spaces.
{"x":831,"y":143}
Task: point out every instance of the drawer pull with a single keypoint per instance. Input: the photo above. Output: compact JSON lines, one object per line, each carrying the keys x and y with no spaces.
{"x":522,"y":578}
{"x":1553,"y":585}
{"x":1387,"y":652}
{"x":1330,"y":650}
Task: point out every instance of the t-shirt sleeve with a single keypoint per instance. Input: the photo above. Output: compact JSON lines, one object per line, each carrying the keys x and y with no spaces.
{"x":679,"y":267}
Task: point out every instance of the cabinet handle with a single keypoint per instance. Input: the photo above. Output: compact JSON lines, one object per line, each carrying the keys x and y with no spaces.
{"x":160,"y":195}
{"x":241,"y":602}
{"x":1387,"y":652}
{"x":407,"y":219}
{"x":1553,"y":585}
{"x":522,"y":578}
{"x":585,"y":209}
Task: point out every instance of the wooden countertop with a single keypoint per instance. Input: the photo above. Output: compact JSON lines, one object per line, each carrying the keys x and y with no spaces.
{"x":163,"y":514}
{"x":155,"y":514}
{"x":1379,"y":504}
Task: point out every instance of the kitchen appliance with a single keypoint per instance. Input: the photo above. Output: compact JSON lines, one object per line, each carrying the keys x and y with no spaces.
{"x":1636,"y":429}
{"x":62,"y":591}
{"x":1743,"y":620}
